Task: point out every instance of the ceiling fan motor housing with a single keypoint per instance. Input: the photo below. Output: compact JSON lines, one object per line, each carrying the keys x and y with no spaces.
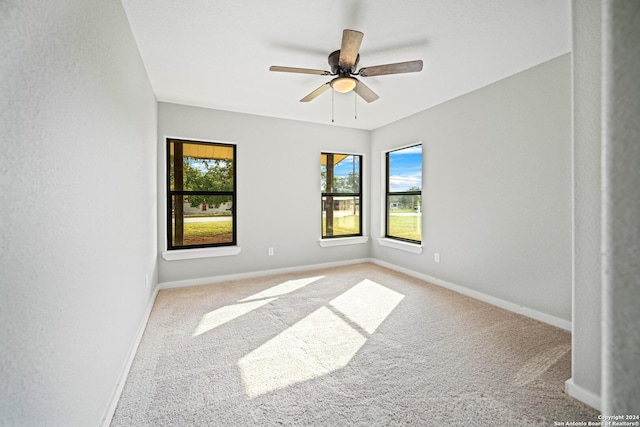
{"x":334,"y":59}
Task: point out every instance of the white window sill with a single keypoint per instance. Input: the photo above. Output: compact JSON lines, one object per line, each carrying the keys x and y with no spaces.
{"x":181,"y":254}
{"x":398,"y":244}
{"x":327,"y":243}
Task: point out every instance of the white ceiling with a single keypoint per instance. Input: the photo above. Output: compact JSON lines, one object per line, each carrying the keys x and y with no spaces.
{"x":217,"y":53}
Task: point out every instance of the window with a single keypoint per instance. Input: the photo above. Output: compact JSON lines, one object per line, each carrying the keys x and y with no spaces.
{"x":201,"y":194}
{"x":404,"y":194}
{"x":341,"y":195}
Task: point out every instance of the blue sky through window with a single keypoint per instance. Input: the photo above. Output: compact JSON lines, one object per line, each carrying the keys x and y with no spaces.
{"x":405,"y":169}
{"x":345,"y":167}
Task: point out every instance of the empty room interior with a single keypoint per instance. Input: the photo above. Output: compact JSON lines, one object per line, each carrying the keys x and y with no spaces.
{"x":319,"y":213}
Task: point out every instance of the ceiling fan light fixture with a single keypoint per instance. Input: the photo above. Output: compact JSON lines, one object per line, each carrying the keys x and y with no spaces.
{"x":344,"y":84}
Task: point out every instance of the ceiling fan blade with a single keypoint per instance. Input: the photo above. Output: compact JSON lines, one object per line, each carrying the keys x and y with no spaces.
{"x":397,"y":68}
{"x":299,"y":70}
{"x":350,"y":47}
{"x":316,"y":92}
{"x":364,"y":92}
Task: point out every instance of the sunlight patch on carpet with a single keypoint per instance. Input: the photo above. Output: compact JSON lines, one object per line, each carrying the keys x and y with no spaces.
{"x":283,"y":288}
{"x":367,"y":304}
{"x":540,"y":363}
{"x":321,"y":343}
{"x":315,"y":346}
{"x":227,"y":313}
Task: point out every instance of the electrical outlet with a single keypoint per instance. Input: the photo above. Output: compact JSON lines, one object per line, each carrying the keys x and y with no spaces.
{"x":436,"y":257}
{"x":270,"y":251}
{"x":146,"y":281}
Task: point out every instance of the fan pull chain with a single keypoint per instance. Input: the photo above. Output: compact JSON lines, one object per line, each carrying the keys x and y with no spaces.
{"x":332,"y":95}
{"x":355,"y":106}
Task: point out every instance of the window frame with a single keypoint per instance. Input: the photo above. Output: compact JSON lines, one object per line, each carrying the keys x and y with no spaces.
{"x":388,"y":194}
{"x":171,"y":193}
{"x":358,"y":194}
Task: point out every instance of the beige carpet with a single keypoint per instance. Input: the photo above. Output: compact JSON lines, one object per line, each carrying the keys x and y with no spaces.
{"x":354,"y":345}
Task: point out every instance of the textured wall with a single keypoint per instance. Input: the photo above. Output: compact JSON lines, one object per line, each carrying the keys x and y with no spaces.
{"x":621,"y":197}
{"x":78,"y":195}
{"x":497,"y":189}
{"x":279,"y":203}
{"x":587,"y":130}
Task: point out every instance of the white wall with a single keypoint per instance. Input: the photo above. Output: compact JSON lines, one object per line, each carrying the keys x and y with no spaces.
{"x":587,"y":289}
{"x":621,"y":208}
{"x":278,"y":172}
{"x":78,"y":197}
{"x":496,"y":189}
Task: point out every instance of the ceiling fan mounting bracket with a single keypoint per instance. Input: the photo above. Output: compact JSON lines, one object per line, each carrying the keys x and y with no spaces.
{"x":336,"y":69}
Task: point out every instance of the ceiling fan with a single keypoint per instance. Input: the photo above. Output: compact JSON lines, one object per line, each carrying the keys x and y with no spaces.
{"x":343,"y":65}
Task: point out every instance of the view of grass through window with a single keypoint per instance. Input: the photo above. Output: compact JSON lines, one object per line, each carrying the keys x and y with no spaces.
{"x":404,"y":194}
{"x":341,"y":194}
{"x":201,"y":194}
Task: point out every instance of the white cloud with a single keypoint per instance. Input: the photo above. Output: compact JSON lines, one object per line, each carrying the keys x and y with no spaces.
{"x":416,"y":149}
{"x":404,"y":182}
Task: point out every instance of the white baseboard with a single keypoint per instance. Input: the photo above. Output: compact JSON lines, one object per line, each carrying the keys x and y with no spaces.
{"x":124,"y":373}
{"x":528,"y":312}
{"x":252,"y":274}
{"x":537,"y":315}
{"x":582,"y":394}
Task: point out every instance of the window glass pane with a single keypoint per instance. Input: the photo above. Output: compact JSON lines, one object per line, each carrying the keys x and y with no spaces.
{"x":340,"y":216}
{"x":346,"y":174}
{"x":205,"y":167}
{"x":201,"y":220}
{"x":343,"y":172}
{"x":405,"y":169}
{"x":405,"y":217}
